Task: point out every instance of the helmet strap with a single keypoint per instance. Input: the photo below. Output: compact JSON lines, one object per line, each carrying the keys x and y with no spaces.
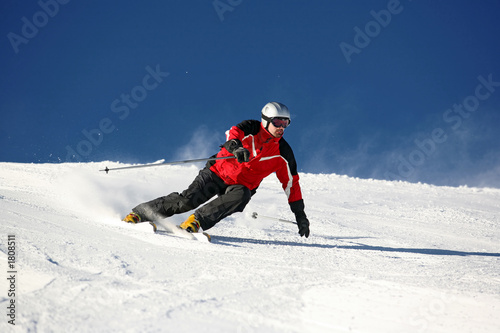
{"x":266,"y":118}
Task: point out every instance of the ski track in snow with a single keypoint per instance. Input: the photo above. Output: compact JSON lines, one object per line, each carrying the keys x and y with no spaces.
{"x":382,"y":257}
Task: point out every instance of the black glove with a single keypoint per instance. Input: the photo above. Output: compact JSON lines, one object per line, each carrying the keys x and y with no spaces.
{"x":234,"y":147}
{"x":302,"y":223}
{"x":242,"y":154}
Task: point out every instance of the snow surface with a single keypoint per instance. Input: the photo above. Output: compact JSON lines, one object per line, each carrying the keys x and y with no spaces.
{"x":382,"y":257}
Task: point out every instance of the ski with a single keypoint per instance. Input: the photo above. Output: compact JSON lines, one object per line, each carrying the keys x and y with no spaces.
{"x":170,"y":230}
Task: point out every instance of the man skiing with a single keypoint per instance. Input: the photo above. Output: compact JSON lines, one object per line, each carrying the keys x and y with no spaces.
{"x":259,"y":150}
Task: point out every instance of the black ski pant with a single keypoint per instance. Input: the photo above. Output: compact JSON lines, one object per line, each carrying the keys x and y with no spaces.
{"x":230,"y":199}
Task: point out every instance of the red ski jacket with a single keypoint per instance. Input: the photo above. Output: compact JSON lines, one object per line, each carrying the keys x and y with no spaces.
{"x":267,"y":155}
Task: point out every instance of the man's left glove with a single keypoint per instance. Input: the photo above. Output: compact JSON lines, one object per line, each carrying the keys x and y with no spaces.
{"x":302,"y":223}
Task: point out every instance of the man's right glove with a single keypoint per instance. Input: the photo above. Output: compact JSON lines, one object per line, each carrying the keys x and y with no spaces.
{"x":234,"y":147}
{"x":302,"y":223}
{"x":242,"y":154}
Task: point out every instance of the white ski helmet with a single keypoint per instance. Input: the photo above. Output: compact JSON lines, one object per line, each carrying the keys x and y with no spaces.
{"x":274,"y":110}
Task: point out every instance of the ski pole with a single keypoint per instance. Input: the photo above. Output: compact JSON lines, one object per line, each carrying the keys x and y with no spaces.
{"x":168,"y":163}
{"x":255,"y":215}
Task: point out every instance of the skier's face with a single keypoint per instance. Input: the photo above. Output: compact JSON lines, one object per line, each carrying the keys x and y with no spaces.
{"x":277,"y":132}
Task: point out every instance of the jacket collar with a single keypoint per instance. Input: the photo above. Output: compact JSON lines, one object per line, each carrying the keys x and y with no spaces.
{"x":265,"y":136}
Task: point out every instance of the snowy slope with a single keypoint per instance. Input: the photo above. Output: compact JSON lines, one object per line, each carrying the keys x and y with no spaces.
{"x":382,"y":257}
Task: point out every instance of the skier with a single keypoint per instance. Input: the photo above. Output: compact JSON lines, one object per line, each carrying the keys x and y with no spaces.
{"x":259,"y":150}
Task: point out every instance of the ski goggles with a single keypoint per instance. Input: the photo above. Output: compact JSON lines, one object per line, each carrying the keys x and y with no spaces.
{"x":280,"y":122}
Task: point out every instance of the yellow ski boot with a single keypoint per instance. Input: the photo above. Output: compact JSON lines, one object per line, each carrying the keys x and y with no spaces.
{"x":190,"y":225}
{"x":132,"y":218}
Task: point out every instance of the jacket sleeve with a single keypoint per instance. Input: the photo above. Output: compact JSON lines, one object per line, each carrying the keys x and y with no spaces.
{"x":235,"y":134}
{"x":243,"y":129}
{"x":289,"y":178}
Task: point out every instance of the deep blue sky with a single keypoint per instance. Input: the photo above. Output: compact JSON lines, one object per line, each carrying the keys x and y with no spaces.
{"x":402,"y":101}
